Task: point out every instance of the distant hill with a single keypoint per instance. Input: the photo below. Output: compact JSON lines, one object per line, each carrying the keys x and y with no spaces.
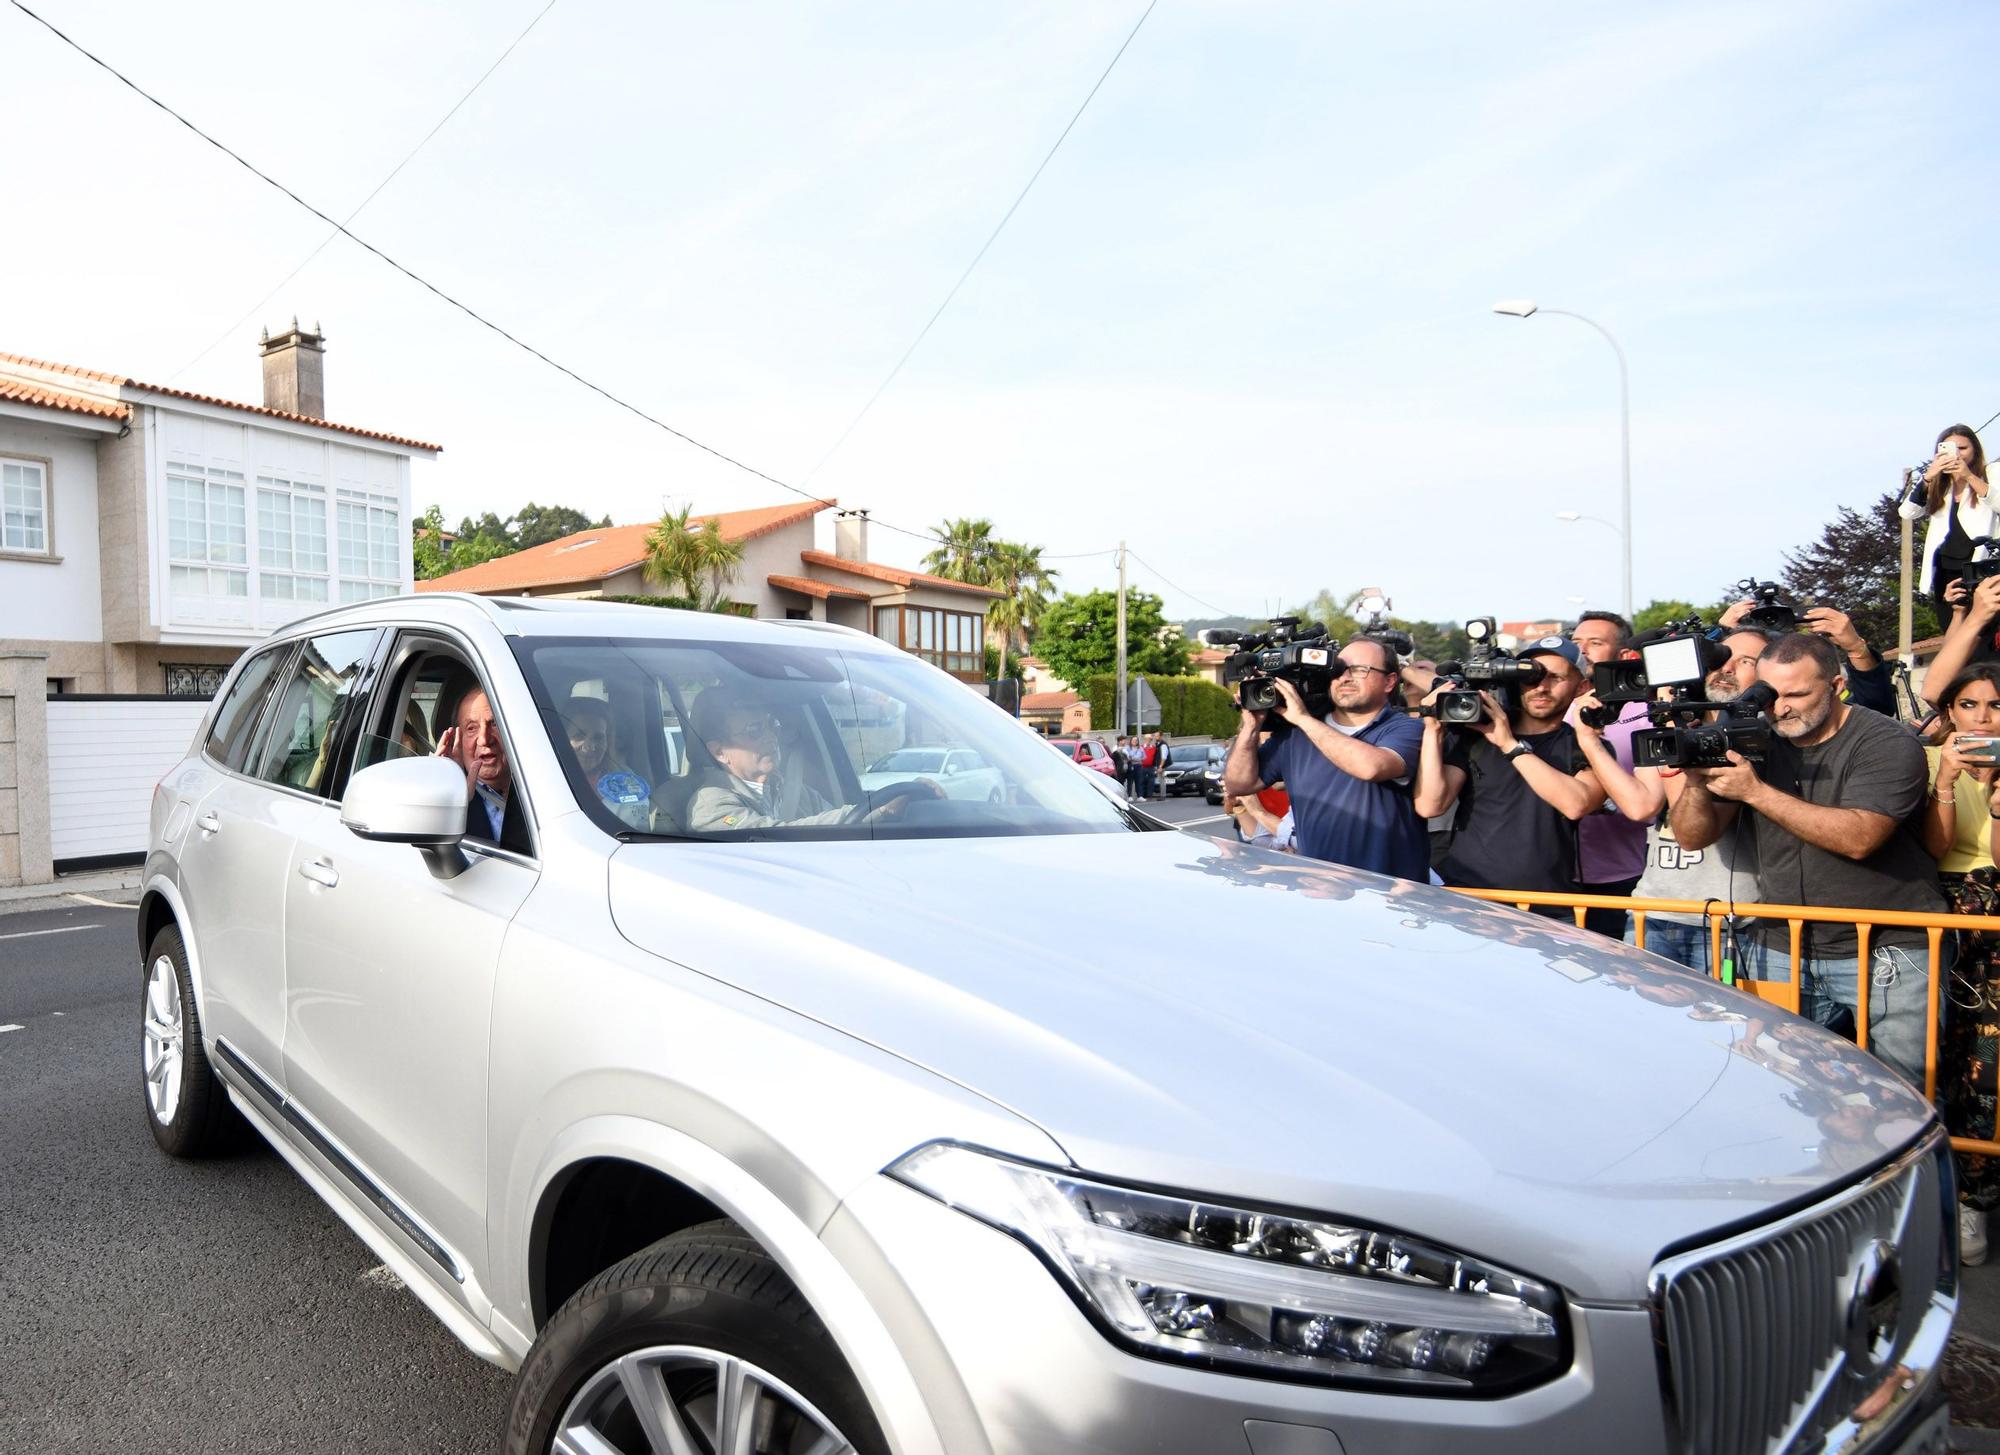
{"x":1232,"y":623}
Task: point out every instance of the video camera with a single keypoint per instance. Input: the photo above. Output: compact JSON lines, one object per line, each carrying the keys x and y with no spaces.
{"x":1392,"y":639}
{"x":1680,"y":661}
{"x":1302,"y":655}
{"x":1484,"y":666}
{"x":1663,"y":661}
{"x":1977,"y":569}
{"x":1772,"y":612}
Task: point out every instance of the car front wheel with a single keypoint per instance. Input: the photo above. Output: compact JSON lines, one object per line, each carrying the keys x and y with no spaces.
{"x":186,"y":1106}
{"x":698,"y":1343}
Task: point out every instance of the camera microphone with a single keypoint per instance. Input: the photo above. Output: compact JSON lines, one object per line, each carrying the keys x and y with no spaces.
{"x":1218,"y":636}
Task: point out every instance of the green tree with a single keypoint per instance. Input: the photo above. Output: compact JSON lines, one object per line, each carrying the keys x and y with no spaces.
{"x":720,"y":557}
{"x":1334,"y":612}
{"x":964,"y":552}
{"x":537,"y":525}
{"x":1078,"y":636}
{"x":1016,"y":570}
{"x":674,"y":555}
{"x":1658,"y":613}
{"x":1856,"y":565}
{"x":433,"y":556}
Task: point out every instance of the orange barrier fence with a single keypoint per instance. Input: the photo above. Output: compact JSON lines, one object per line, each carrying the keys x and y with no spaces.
{"x":1787,"y":992}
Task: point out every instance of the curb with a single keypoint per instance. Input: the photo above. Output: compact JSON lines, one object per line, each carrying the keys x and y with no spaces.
{"x":114,"y":884}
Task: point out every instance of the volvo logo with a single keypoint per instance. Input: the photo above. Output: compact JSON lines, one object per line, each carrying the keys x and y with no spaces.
{"x":1874,"y":1310}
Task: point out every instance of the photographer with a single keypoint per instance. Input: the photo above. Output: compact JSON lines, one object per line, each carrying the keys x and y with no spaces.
{"x":1970,"y":638}
{"x":1348,"y":773}
{"x":1834,"y":813}
{"x":1866,"y":674}
{"x":1611,"y":848}
{"x":1959,"y":510}
{"x":1519,"y":781}
{"x":1725,"y":872}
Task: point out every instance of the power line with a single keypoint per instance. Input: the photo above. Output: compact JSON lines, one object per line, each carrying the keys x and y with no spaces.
{"x":416,"y":278}
{"x":923,"y":332}
{"x":258,"y":306}
{"x":1161,"y":577}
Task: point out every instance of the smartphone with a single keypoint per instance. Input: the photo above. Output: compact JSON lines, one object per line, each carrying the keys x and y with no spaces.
{"x":1981,"y":748}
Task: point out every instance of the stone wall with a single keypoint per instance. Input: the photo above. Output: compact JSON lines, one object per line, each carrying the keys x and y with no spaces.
{"x":24,"y":769}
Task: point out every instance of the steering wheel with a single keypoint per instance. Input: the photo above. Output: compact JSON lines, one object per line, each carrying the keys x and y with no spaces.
{"x":889,"y":793}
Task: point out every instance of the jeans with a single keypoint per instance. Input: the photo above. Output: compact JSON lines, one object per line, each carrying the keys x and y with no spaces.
{"x":1688,"y":945}
{"x":1898,"y":999}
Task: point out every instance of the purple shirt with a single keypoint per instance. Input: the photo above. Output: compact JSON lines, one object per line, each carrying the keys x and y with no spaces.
{"x":1611,"y":847}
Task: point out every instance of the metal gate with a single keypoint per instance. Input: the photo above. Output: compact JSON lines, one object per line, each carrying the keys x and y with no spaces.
{"x":105,"y":755}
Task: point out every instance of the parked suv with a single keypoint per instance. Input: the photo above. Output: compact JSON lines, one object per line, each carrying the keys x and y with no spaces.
{"x":562,"y":950}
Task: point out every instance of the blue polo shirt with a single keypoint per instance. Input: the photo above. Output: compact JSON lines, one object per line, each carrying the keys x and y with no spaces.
{"x":1341,"y":818}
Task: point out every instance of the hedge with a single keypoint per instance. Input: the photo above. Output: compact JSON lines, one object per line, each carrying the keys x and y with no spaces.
{"x":1189,"y":706}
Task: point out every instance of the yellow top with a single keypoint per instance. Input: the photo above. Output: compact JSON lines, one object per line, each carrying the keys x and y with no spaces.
{"x":1972,"y":844}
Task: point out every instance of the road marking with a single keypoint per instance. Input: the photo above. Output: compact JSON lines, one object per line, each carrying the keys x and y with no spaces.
{"x":102,"y":903}
{"x":1188,"y":823}
{"x":5,"y":1029}
{"x":60,"y":930}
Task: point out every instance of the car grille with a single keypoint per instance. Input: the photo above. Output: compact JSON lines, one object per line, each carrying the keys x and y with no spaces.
{"x":1755,"y":1332}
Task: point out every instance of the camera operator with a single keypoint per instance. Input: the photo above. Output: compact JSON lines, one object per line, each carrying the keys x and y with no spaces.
{"x":1834,"y":814}
{"x":1725,"y":872}
{"x":1866,"y":674}
{"x":1519,"y":780}
{"x":1959,"y":509}
{"x":1348,"y":773}
{"x":1611,"y":848}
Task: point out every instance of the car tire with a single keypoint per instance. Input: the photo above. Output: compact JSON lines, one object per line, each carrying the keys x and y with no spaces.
{"x":187,"y":1107}
{"x":1215,"y":799}
{"x":681,"y":1320}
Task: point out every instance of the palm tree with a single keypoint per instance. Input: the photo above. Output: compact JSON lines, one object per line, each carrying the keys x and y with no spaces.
{"x":1018,"y":571}
{"x":674,"y":553}
{"x":964,"y":552}
{"x":719,"y":557}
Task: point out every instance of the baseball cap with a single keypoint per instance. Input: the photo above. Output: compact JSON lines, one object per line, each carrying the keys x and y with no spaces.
{"x":1553,"y":646}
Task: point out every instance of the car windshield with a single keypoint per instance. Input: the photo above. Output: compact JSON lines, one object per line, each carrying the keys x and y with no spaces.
{"x":738,"y":740}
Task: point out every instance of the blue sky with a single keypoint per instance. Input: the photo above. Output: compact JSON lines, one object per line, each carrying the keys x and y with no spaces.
{"x":1242,"y":321}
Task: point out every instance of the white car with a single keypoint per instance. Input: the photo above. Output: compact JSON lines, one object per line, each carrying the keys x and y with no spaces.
{"x":960,"y":772}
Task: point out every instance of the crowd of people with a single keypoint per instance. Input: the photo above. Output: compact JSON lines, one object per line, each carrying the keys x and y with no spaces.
{"x":1850,"y":807}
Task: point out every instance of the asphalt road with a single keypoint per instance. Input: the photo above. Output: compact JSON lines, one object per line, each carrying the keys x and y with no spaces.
{"x":152,"y":1304}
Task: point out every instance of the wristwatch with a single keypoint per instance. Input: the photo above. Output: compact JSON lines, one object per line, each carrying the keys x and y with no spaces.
{"x":1514,"y":752}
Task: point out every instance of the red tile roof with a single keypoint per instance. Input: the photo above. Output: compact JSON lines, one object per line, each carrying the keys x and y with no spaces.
{"x":592,"y":555}
{"x":894,"y":575}
{"x":10,"y":363}
{"x":25,"y":393}
{"x":824,"y":590}
{"x":1049,"y":701}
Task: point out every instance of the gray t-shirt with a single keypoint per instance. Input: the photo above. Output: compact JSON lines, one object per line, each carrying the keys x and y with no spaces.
{"x":1872,"y":763}
{"x":1726,"y":870}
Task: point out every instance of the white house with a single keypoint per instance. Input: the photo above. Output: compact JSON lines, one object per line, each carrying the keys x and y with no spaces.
{"x":149,"y":534}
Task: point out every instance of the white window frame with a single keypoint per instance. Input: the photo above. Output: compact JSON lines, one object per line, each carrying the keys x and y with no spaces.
{"x":374,"y":545}
{"x":224,"y":561}
{"x":287,"y":572}
{"x":44,"y":509}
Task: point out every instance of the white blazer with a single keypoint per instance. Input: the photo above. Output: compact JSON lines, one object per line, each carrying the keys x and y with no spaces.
{"x":1976,"y":517}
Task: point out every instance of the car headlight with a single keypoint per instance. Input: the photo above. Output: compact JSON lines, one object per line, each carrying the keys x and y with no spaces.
{"x":1258,"y":1292}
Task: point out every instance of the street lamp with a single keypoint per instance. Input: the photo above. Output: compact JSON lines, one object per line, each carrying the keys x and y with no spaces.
{"x":1527,"y":308}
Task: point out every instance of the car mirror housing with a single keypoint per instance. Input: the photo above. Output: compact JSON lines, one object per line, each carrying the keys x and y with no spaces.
{"x":416,"y":801}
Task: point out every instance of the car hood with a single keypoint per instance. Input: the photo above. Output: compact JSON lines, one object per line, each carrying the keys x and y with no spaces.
{"x":1197,"y":1015}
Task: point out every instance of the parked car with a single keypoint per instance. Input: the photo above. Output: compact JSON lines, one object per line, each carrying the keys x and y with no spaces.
{"x":960,"y":772}
{"x":1211,"y":774}
{"x":771,"y":1137}
{"x":1185,"y":766}
{"x":1088,"y":752}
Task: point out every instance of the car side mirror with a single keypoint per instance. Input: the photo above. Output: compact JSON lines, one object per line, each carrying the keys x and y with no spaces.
{"x":415,"y":801}
{"x":949,"y":769}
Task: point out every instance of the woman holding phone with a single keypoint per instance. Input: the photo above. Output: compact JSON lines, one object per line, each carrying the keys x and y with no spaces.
{"x":1958,"y":831}
{"x":1960,"y":509}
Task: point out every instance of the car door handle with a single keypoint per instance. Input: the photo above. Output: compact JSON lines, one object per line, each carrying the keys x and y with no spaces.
{"x":320,"y":872}
{"x":208,"y":823}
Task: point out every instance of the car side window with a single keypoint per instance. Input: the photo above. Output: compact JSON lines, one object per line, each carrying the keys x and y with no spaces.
{"x":305,"y":730}
{"x":236,"y":720}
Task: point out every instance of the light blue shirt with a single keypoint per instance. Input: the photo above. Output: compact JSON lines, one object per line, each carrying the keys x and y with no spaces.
{"x":495,"y":806}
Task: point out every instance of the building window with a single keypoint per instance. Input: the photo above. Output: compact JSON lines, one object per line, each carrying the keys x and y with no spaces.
{"x":193,"y":679}
{"x":953,"y":640}
{"x":207,"y":536}
{"x":291,"y":540}
{"x":24,"y":506}
{"x":372,"y":549}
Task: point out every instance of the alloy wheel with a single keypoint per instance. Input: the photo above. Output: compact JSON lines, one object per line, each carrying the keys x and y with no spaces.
{"x":684,"y":1400}
{"x":163,"y":1043}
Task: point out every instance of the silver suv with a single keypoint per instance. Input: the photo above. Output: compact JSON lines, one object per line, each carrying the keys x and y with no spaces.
{"x":743,"y":1106}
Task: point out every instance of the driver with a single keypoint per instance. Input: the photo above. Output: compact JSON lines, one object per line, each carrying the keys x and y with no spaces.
{"x":750,"y":791}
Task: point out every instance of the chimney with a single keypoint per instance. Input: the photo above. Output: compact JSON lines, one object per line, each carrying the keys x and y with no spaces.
{"x":295,"y":371}
{"x":850,"y":535}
